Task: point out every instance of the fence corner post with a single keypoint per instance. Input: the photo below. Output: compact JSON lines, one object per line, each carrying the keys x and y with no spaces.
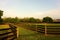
{"x":45,"y":29}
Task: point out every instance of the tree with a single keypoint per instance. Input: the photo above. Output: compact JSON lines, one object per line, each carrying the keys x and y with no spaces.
{"x":11,"y":20}
{"x":1,"y":14}
{"x":38,"y":20}
{"x":47,"y":19}
{"x":16,"y":20}
{"x":32,"y":19}
{"x":7,"y":20}
{"x":24,"y":20}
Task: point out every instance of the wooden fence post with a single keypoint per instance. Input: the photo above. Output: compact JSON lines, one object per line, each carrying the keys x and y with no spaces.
{"x":45,"y":29}
{"x":17,"y":32}
{"x":36,"y":28}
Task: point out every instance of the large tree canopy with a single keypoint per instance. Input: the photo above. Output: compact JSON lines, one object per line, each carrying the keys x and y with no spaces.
{"x":1,"y":13}
{"x":47,"y":20}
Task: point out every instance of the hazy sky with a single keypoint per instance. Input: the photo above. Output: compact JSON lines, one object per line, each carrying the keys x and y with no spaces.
{"x":30,"y":8}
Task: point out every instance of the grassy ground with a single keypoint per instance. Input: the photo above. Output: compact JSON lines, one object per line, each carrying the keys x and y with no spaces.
{"x":25,"y":34}
{"x":5,"y":33}
{"x":52,"y":38}
{"x":28,"y":34}
{"x":4,"y":26}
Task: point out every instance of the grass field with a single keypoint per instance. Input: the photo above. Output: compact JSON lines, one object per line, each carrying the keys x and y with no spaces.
{"x":6,"y":32}
{"x":4,"y":26}
{"x":31,"y":35}
{"x":25,"y":34}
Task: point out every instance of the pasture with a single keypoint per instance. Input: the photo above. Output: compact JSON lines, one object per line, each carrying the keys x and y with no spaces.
{"x":25,"y":34}
{"x":28,"y":32}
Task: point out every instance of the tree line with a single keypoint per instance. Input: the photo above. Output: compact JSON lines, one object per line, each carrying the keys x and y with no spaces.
{"x":18,"y":20}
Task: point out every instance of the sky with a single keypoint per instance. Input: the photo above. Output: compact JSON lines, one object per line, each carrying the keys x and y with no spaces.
{"x":30,"y":8}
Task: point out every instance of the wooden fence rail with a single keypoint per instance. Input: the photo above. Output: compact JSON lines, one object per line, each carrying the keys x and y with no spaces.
{"x":49,"y":29}
{"x":46,"y":29}
{"x":8,"y":33}
{"x":53,"y":29}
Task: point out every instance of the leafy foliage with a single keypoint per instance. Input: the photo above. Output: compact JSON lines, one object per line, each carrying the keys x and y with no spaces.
{"x":1,"y":14}
{"x":47,"y":19}
{"x":18,"y":20}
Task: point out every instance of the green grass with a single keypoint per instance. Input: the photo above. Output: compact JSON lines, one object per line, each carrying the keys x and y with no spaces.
{"x":4,"y":26}
{"x":5,"y":33}
{"x":25,"y":34}
{"x":52,"y":38}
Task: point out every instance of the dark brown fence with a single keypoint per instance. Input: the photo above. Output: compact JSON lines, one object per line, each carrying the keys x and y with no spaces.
{"x":49,"y":29}
{"x":46,"y":29}
{"x":8,"y":33}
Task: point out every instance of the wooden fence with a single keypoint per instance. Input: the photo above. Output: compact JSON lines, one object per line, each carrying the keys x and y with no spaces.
{"x":53,"y":29}
{"x":8,"y":33}
{"x":49,"y":29}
